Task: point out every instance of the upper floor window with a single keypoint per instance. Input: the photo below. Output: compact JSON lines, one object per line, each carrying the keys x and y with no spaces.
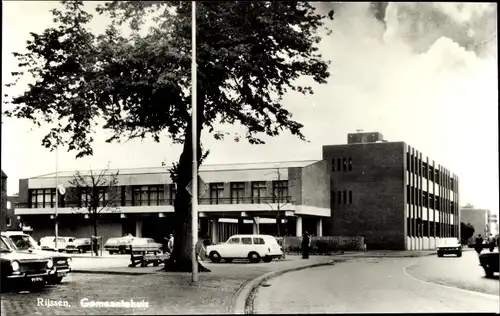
{"x":89,"y":196}
{"x":342,"y":164}
{"x":148,"y":195}
{"x":9,"y":221}
{"x":41,"y":198}
{"x":259,"y":191}
{"x":349,"y":166}
{"x":237,"y":192}
{"x":173,"y":191}
{"x":216,"y":193}
{"x":280,"y":191}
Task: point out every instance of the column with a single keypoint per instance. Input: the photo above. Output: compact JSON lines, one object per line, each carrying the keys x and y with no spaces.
{"x":298,"y":227}
{"x":256,"y":221}
{"x":213,"y":230}
{"x":241,"y":225}
{"x":138,"y":228}
{"x":319,"y":227}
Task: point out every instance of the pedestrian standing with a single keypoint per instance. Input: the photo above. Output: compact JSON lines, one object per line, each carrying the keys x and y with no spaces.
{"x":491,"y":243}
{"x":170,"y":245}
{"x":479,"y":244}
{"x":306,"y":244}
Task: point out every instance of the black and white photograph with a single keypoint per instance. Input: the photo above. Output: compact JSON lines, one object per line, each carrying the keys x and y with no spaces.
{"x":249,"y":157}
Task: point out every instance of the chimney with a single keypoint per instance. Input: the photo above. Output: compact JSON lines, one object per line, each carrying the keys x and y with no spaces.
{"x":362,"y":138}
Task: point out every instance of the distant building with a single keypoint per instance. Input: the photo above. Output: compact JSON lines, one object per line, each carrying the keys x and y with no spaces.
{"x":8,"y":220}
{"x":390,"y":193}
{"x":478,"y":218}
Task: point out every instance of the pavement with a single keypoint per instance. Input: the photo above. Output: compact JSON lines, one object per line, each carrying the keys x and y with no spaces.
{"x":424,"y":284}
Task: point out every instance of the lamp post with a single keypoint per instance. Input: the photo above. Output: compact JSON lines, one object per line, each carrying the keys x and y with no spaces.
{"x":56,"y":228}
{"x":194,"y":133}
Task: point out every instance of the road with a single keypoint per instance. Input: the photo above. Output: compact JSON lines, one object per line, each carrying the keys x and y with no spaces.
{"x":385,"y":285}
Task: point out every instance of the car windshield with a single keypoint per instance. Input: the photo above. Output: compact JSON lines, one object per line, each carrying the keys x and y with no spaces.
{"x":3,"y":246}
{"x":448,"y":241}
{"x":23,"y":242}
{"x":113,"y":241}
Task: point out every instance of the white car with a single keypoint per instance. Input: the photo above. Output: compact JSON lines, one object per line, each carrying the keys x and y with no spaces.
{"x":449,"y":245}
{"x":252,"y":247}
{"x":49,"y":243}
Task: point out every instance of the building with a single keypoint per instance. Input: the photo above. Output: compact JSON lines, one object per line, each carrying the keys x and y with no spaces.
{"x":478,"y":218}
{"x":390,"y":193}
{"x":242,"y":198}
{"x":8,"y":219}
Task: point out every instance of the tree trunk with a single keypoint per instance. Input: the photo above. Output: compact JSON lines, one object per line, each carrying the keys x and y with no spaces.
{"x":94,"y":240}
{"x":180,"y":260}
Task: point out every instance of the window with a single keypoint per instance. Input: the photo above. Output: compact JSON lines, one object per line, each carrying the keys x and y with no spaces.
{"x":87,"y":198}
{"x":216,"y":193}
{"x":431,"y":200}
{"x":147,"y":195}
{"x":258,"y":191}
{"x":350,"y":197}
{"x":452,"y":184}
{"x":339,"y":164}
{"x":333,"y":197}
{"x":333,"y":164}
{"x":41,"y":198}
{"x":407,"y":161}
{"x":237,"y":192}
{"x":246,"y":241}
{"x":344,"y":164}
{"x":426,"y":201}
{"x":431,"y":173}
{"x":234,"y":240}
{"x":173,"y":191}
{"x":350,"y":164}
{"x":280,"y":191}
{"x":258,"y":241}
{"x":345,"y":197}
{"x":9,"y":221}
{"x":436,"y":176}
{"x":339,"y":197}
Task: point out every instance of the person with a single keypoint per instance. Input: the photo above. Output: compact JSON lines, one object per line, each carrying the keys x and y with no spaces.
{"x":306,"y":243}
{"x":170,"y":245}
{"x":491,"y":243}
{"x":479,"y":244}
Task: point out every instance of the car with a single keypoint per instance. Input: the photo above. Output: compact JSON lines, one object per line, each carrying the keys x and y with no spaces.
{"x":20,"y":268}
{"x":49,"y":243}
{"x":490,"y":262}
{"x":26,"y":244}
{"x":251,"y":247}
{"x":80,"y":245}
{"x":118,"y":244}
{"x":449,"y":245}
{"x":145,"y":245}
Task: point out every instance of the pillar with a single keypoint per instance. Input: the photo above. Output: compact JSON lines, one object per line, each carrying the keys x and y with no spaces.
{"x":138,"y":228}
{"x":298,"y":227}
{"x":319,"y":227}
{"x":256,"y":221}
{"x":241,"y":225}
{"x":213,"y":230}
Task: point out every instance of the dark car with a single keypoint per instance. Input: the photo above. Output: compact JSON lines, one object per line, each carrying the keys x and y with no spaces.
{"x":24,"y":269}
{"x":490,"y":262}
{"x":26,"y":244}
{"x":80,"y":245}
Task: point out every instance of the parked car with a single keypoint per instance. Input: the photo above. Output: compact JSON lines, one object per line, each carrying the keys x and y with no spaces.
{"x":118,"y":244}
{"x":252,"y":247}
{"x":490,"y":262}
{"x":49,"y":243}
{"x":449,"y":245}
{"x":145,"y":245}
{"x":22,"y":268}
{"x":80,"y":245}
{"x":26,"y":244}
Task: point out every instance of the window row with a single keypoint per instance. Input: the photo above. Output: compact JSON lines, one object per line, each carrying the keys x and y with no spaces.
{"x":426,"y":199}
{"x":423,"y":228}
{"x":341,"y":197}
{"x":413,"y":164}
{"x":342,"y":164}
{"x":259,"y":193}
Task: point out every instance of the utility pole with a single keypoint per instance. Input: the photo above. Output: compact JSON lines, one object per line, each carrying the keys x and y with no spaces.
{"x":56,"y":228}
{"x":194,"y":132}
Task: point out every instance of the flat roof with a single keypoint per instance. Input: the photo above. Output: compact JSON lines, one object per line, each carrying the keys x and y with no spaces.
{"x":214,"y":167}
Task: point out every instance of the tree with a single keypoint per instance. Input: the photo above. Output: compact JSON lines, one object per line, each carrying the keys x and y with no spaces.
{"x":94,"y":193}
{"x":466,"y":231}
{"x":249,"y":55}
{"x":278,"y":197}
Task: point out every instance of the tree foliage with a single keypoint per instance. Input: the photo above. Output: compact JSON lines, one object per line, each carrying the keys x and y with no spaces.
{"x":466,"y":230}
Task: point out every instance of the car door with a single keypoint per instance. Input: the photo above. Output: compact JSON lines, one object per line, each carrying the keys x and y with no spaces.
{"x":260,"y":245}
{"x":246,"y":247}
{"x":231,"y":248}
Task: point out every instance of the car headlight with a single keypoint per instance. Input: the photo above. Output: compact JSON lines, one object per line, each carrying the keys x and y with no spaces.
{"x":15,"y":265}
{"x":50,"y":264}
{"x":69,"y":261}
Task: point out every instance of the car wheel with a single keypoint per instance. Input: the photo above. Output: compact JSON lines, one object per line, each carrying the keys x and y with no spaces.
{"x":267,"y":259}
{"x":55,"y":280}
{"x":440,"y":254}
{"x":489,"y":272}
{"x":459,"y":254}
{"x":111,"y":252}
{"x":215,"y":257}
{"x":254,"y":257}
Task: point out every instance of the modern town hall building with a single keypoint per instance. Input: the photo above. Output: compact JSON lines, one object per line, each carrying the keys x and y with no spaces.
{"x":387,"y":192}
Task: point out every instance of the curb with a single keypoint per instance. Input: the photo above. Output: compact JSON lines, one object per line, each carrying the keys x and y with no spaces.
{"x":244,"y":296}
{"x":111,"y":272}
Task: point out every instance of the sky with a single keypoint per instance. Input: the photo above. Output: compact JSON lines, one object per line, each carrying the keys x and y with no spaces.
{"x":425,"y":74}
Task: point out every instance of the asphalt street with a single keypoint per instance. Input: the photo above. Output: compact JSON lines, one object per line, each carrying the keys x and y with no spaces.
{"x":383,"y":285}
